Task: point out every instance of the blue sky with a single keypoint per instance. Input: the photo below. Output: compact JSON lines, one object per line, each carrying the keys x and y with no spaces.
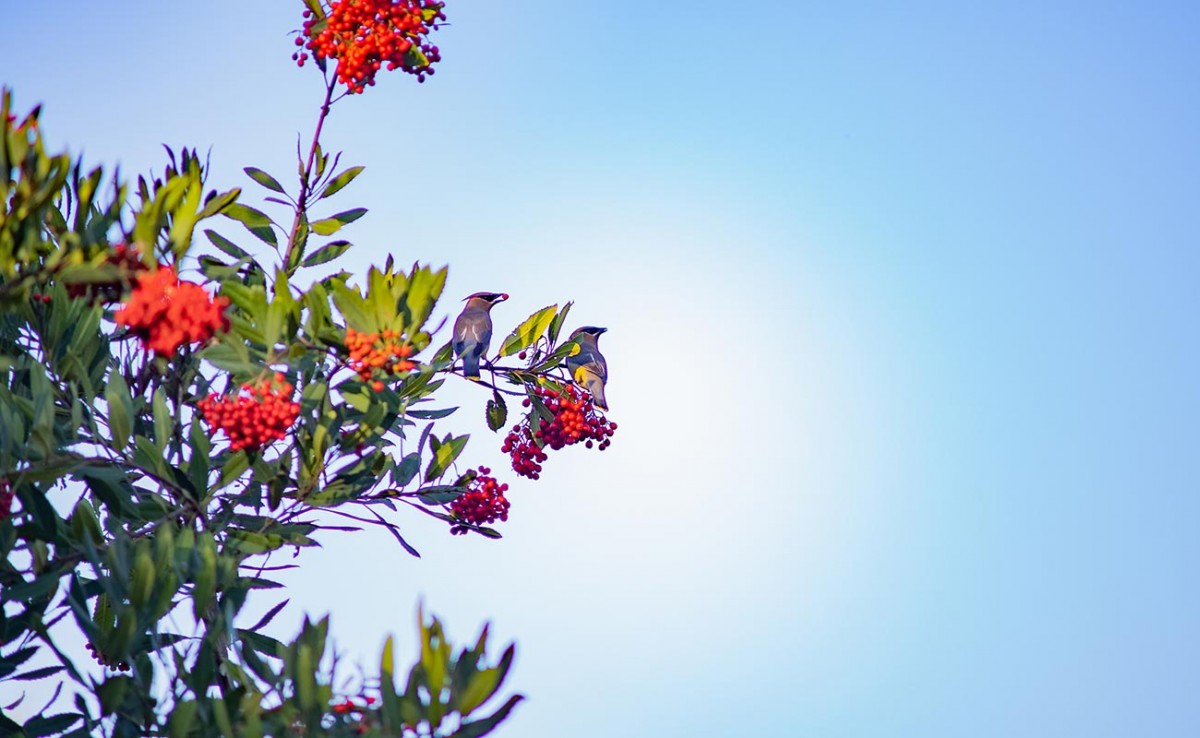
{"x":902,"y":306}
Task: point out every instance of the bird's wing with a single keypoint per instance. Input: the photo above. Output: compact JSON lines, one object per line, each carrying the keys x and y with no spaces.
{"x":472,"y":330}
{"x":593,"y":382}
{"x":594,"y":362}
{"x":485,"y":334}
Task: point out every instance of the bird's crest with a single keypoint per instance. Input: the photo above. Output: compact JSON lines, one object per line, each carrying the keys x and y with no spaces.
{"x":489,"y":296}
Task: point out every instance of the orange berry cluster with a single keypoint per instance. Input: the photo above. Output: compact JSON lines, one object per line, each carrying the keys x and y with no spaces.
{"x":259,"y":415}
{"x":574,"y":420}
{"x":482,"y":503}
{"x":364,"y":36}
{"x":166,"y":312}
{"x":6,"y":498}
{"x":104,"y":661}
{"x":128,"y":261}
{"x":378,"y":352}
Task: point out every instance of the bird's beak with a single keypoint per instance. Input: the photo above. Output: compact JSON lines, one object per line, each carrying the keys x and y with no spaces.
{"x":502,"y":297}
{"x":601,"y":330}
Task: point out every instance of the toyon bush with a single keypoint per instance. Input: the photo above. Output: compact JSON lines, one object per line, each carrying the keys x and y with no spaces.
{"x":176,"y":405}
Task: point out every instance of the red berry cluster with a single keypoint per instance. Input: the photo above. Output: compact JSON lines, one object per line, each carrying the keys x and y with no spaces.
{"x":104,"y":661}
{"x":482,"y":503}
{"x":575,"y":420}
{"x":166,"y":312}
{"x":366,"y":35}
{"x":259,"y":415}
{"x":383,"y":352}
{"x":348,"y":705}
{"x":526,"y":455}
{"x":128,"y":261}
{"x":6,"y":498}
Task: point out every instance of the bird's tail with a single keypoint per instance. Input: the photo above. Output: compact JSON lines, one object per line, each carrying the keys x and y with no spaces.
{"x":470,"y":364}
{"x":595,"y":385}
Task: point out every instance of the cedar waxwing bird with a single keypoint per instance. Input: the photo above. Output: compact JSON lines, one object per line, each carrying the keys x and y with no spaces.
{"x":473,"y":329}
{"x":588,"y":367}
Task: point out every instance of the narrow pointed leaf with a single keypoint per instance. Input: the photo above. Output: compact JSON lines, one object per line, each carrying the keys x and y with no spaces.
{"x":341,"y":180}
{"x":264,"y":179}
{"x":326,"y":253}
{"x":526,"y":334}
{"x":229,"y":247}
{"x":330,"y":226}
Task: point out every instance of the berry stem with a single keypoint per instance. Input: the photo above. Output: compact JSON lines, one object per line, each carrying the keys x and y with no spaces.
{"x":305,"y":180}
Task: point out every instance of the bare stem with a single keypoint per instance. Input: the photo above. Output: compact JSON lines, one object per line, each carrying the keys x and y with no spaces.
{"x":306,"y":178}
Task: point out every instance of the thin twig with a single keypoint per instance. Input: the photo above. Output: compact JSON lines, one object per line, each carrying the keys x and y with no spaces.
{"x":302,"y":200}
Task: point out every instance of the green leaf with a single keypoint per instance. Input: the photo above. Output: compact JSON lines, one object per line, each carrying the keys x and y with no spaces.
{"x":45,"y":519}
{"x":526,"y":334}
{"x":256,"y":221}
{"x":264,"y":644}
{"x":218,"y":203}
{"x":142,"y":585}
{"x":496,"y":413}
{"x":424,"y":288}
{"x":444,"y":454}
{"x":43,"y":725}
{"x":330,"y":226}
{"x":216,"y":270}
{"x":326,"y":253}
{"x":249,"y":542}
{"x":36,"y":674}
{"x":84,"y":524}
{"x":443,"y":356}
{"x":432,"y":414}
{"x":10,"y":663}
{"x":121,"y":640}
{"x":297,"y":243}
{"x":251,"y":299}
{"x":331,"y":495}
{"x":220,"y":714}
{"x":568,"y":348}
{"x":264,"y":179}
{"x":198,"y":464}
{"x":41,"y":431}
{"x":408,"y":467}
{"x":206,"y":575}
{"x":440,"y":494}
{"x":120,"y":410}
{"x":387,"y":686}
{"x":233,"y":357}
{"x":557,"y":324}
{"x":266,"y":619}
{"x":478,"y":728}
{"x":183,"y":718}
{"x":306,"y":682}
{"x":340,"y":181}
{"x":485,"y":683}
{"x":163,"y":423}
{"x":224,"y":244}
{"x":353,"y":307}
